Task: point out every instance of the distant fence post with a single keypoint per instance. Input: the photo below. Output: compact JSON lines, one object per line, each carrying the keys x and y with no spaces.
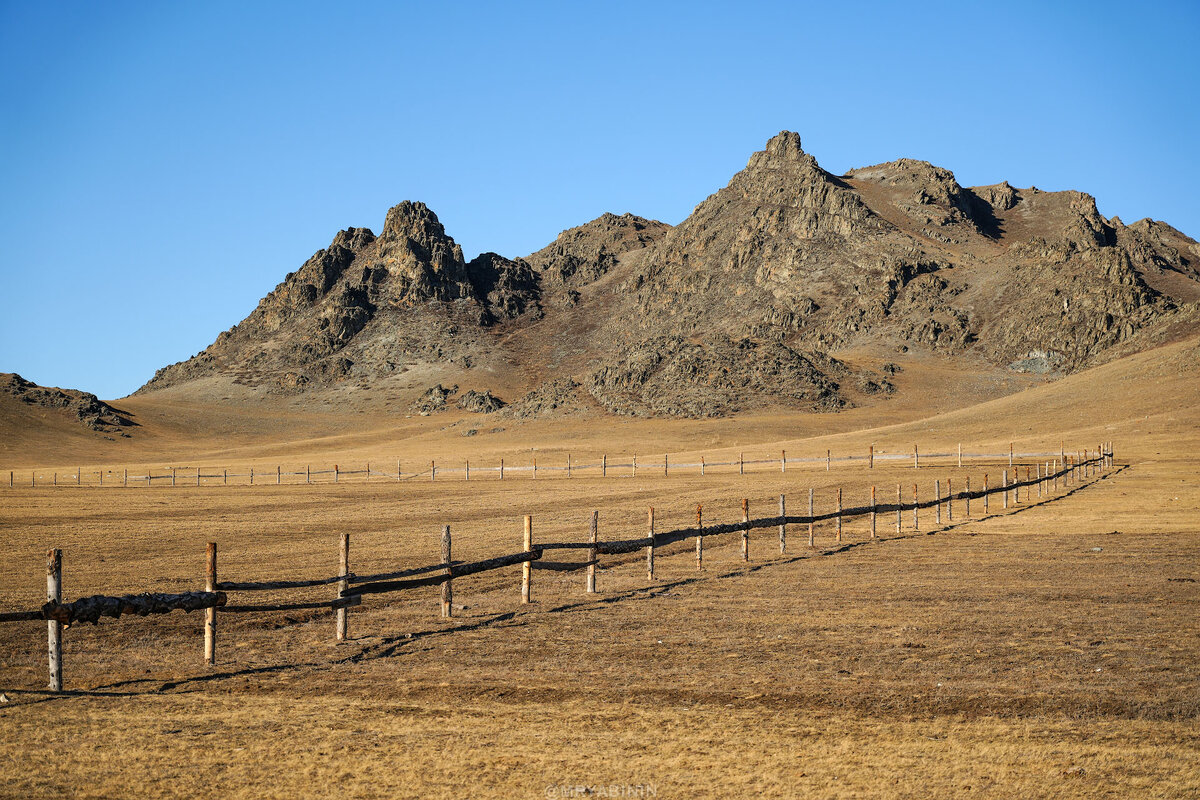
{"x":54,"y":628}
{"x":535,"y":469}
{"x":702,"y":465}
{"x":871,"y":457}
{"x":226,"y":477}
{"x":650,"y":547}
{"x":335,"y":473}
{"x":782,"y":525}
{"x":873,"y":512}
{"x":604,"y":465}
{"x":447,"y":589}
{"x":745,"y":529}
{"x":899,"y":507}
{"x":502,"y":469}
{"x":1004,"y":478}
{"x":210,"y":614}
{"x":466,"y":469}
{"x":828,"y":460}
{"x":839,"y":514}
{"x":950,"y":499}
{"x":343,"y":585}
{"x":916,"y":458}
{"x":937,"y":505}
{"x":432,"y":471}
{"x":916,"y":508}
{"x":699,"y":537}
{"x":741,"y":463}
{"x":634,"y":474}
{"x":967,"y":496}
{"x":125,"y":477}
{"x":527,"y":566}
{"x":783,"y":460}
{"x":568,"y":465}
{"x":665,"y":464}
{"x":985,"y":494}
{"x":1010,"y":454}
{"x":593,"y":553}
{"x":811,"y":521}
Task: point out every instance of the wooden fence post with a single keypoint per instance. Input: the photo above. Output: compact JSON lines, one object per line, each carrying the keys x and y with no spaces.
{"x":899,"y":507}
{"x":664,"y":465}
{"x":568,"y":465}
{"x":1004,"y":478}
{"x":210,"y":614}
{"x":871,"y":457}
{"x":699,"y":537}
{"x":466,"y":469}
{"x":950,"y":499}
{"x":54,"y":628}
{"x":783,"y":461}
{"x":967,"y":496}
{"x":604,"y":466}
{"x":873,"y":512}
{"x":502,"y":469}
{"x":811,"y":522}
{"x":279,"y":474}
{"x":782,"y":525}
{"x":985,"y":494}
{"x":745,"y":529}
{"x":368,"y":473}
{"x":937,"y":505}
{"x":828,"y":460}
{"x":741,"y":463}
{"x":593,"y":553}
{"x":125,"y":476}
{"x":226,"y":477}
{"x":343,"y":585}
{"x":635,"y":466}
{"x":447,"y":589}
{"x":527,"y":566}
{"x":650,"y":547}
{"x":916,"y":458}
{"x":839,"y":514}
{"x":432,"y":471}
{"x":916,"y":508}
{"x":535,"y":469}
{"x":335,"y":473}
{"x":1010,"y":454}
{"x":701,"y":465}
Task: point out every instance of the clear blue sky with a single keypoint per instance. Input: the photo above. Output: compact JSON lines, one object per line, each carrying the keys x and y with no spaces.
{"x":165,"y":164}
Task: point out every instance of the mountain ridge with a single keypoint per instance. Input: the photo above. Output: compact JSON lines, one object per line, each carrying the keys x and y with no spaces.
{"x":748,"y":302}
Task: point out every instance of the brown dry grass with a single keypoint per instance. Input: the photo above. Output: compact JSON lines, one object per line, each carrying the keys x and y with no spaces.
{"x":995,"y":657}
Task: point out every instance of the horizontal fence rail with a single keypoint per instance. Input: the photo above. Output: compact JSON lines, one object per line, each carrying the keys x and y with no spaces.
{"x":1045,"y":478}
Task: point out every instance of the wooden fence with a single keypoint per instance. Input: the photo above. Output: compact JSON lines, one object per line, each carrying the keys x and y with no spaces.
{"x":194,"y":476}
{"x":1046,"y":479}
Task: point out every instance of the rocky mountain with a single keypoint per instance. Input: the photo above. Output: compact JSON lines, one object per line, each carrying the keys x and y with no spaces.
{"x":82,"y":408}
{"x":753,"y":300}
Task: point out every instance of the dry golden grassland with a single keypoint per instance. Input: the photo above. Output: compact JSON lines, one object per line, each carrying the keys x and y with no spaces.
{"x":1050,"y":650}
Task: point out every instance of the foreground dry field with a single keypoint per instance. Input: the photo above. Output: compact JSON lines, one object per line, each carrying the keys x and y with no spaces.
{"x":1047,"y":651}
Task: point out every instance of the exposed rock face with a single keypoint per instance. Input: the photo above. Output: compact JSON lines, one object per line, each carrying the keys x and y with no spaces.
{"x":480,"y":402}
{"x":582,"y":255}
{"x":83,"y":407}
{"x":737,"y":307}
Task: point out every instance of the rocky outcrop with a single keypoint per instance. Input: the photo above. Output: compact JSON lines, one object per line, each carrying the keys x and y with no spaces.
{"x":82,"y":407}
